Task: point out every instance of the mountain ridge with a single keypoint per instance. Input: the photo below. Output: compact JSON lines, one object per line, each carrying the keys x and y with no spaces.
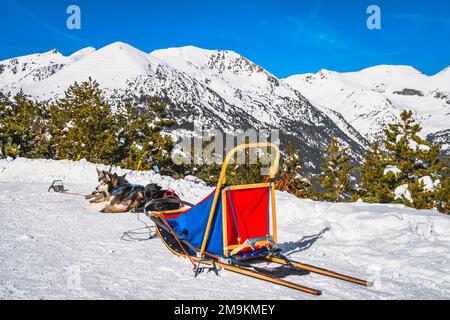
{"x":373,"y":97}
{"x":220,"y":88}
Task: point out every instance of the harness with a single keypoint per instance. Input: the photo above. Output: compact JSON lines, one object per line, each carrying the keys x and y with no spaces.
{"x":133,"y":189}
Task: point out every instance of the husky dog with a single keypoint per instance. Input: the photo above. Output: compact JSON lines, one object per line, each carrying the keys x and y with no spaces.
{"x":103,"y":190}
{"x":133,"y":198}
{"x":126,"y":198}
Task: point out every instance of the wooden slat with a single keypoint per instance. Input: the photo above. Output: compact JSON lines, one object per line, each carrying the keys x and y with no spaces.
{"x":267,"y":278}
{"x":321,"y":271}
{"x":250,"y":186}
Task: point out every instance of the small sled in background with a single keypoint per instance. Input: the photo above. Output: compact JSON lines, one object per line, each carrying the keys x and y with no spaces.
{"x":57,"y":187}
{"x":234,"y":228}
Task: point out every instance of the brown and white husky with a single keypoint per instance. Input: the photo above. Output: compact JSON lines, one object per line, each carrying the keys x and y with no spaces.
{"x":125,"y":197}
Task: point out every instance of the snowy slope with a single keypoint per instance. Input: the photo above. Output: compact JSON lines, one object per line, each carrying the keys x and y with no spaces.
{"x":111,"y":66}
{"x":48,"y":241}
{"x":373,"y":97}
{"x":31,"y":69}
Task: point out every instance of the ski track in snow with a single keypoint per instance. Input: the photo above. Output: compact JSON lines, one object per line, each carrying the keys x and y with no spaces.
{"x":44,"y":237}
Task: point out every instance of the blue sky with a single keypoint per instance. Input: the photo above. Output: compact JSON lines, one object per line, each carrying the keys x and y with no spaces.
{"x":285,"y":37}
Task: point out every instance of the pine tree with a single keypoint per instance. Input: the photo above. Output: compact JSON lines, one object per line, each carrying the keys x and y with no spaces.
{"x":160,"y":141}
{"x":335,"y":172}
{"x":23,"y":129}
{"x":83,"y":126}
{"x":374,"y":187}
{"x":417,"y":161}
{"x":292,"y":172}
{"x":142,"y":137}
{"x":4,"y":110}
{"x":442,"y":193}
{"x":247,"y":173}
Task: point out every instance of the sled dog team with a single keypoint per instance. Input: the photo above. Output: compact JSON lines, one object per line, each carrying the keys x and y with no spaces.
{"x":122,"y":196}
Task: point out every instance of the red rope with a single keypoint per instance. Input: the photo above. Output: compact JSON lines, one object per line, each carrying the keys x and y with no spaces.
{"x":72,"y":194}
{"x":176,"y":238}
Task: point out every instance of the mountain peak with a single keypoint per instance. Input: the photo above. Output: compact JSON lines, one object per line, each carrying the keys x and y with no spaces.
{"x":182,"y":55}
{"x":385,"y":68}
{"x":121,"y":47}
{"x":190,"y":57}
{"x":80,"y":54}
{"x":443,"y":72}
{"x":396,"y":75}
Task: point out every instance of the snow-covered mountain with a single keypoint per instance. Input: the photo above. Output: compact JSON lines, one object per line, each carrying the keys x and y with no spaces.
{"x":31,"y":69}
{"x":221,"y":89}
{"x":371,"y":98}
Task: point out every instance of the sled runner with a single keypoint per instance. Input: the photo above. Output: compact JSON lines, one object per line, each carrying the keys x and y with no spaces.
{"x":234,"y":228}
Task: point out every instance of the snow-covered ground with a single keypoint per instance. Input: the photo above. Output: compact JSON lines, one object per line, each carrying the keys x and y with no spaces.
{"x":58,"y":246}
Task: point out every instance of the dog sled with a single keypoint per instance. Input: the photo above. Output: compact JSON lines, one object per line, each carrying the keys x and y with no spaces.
{"x":235,"y":228}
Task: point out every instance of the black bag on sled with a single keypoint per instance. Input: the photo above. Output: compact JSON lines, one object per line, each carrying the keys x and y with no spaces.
{"x":161,"y":200}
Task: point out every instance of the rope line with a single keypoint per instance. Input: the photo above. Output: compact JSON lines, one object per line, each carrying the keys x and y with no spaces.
{"x":176,"y":238}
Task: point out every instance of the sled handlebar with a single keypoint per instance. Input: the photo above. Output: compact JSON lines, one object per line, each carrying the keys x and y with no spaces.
{"x":222,"y":180}
{"x":274,"y":163}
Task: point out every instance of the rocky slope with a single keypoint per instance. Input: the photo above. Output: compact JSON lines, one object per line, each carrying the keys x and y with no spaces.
{"x":372,"y":98}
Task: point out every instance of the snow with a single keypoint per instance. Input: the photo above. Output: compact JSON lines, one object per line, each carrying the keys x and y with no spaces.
{"x":111,"y":66}
{"x":393,"y":169}
{"x":402,"y":191}
{"x":416,"y":146}
{"x":413,"y":145}
{"x":423,"y":147}
{"x":428,"y":184}
{"x":59,"y":247}
{"x":81,"y":54}
{"x":24,"y":70}
{"x":442,"y":77}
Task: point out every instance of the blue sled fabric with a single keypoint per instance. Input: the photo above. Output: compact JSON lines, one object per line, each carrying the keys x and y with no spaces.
{"x":191,"y":226}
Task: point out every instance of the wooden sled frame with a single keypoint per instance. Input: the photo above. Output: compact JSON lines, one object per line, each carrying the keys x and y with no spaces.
{"x":222,"y":182}
{"x":228,"y":264}
{"x":220,"y":191}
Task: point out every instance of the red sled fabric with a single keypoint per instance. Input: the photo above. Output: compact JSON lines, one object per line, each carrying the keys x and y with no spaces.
{"x":251,"y":208}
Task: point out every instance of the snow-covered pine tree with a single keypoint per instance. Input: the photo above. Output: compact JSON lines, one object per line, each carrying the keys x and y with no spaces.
{"x":199,"y":167}
{"x":133,"y":128}
{"x":4,"y":110}
{"x":442,"y":194}
{"x":335,"y":172}
{"x":247,"y":173}
{"x":418,"y":169}
{"x":23,"y":129}
{"x":374,"y":187}
{"x":160,"y":140}
{"x":292,"y":170}
{"x":82,"y":125}
{"x":142,"y":136}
